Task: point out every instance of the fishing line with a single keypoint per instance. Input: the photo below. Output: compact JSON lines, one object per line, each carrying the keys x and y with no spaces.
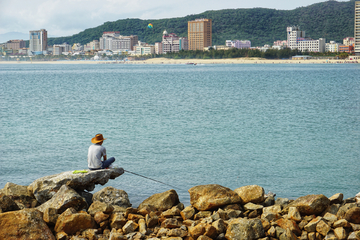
{"x":152,"y":179}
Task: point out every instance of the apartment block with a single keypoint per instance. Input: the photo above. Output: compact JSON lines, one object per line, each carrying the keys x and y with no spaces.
{"x":200,"y":34}
{"x":332,"y":47}
{"x":238,"y":43}
{"x":172,"y":43}
{"x":15,"y":44}
{"x":59,"y":49}
{"x":115,"y":42}
{"x":38,"y":41}
{"x":296,"y":40}
{"x":357,"y":28}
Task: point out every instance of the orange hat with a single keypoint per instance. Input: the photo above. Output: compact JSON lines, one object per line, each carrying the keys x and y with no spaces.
{"x":98,"y":138}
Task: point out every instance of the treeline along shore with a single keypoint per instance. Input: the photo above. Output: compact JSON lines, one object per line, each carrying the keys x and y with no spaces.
{"x":61,"y":207}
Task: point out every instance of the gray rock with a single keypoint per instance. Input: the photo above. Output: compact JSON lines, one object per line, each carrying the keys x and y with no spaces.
{"x":64,"y":199}
{"x":112,"y":196}
{"x":46,"y":187}
{"x":245,"y":229}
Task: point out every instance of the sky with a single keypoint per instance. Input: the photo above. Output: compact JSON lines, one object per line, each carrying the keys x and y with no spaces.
{"x":68,"y":17}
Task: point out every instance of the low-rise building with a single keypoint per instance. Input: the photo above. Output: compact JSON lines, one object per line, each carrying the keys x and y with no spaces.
{"x":296,"y":40}
{"x":171,"y":43}
{"x":332,"y":47}
{"x":238,"y":43}
{"x":144,"y":49}
{"x":59,"y":49}
{"x":15,"y":44}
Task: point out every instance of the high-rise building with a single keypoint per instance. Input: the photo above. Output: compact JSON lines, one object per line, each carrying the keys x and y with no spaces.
{"x":200,"y":34}
{"x":38,"y":41}
{"x":357,"y":28}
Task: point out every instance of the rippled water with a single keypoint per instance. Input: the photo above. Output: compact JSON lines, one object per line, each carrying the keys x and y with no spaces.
{"x":292,"y":129}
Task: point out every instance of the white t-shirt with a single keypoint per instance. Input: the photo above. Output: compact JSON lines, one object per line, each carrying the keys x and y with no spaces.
{"x":95,"y":153}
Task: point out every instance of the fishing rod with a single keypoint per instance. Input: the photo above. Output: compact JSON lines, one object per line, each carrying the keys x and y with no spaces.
{"x":151,"y":179}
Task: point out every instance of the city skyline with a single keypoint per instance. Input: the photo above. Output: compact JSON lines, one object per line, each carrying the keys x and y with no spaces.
{"x":65,"y":18}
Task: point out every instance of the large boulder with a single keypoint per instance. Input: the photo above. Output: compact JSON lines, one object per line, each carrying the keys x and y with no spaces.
{"x":251,"y":193}
{"x":65,"y":198}
{"x":24,"y":224}
{"x":45,"y":188}
{"x":207,"y":197}
{"x":161,"y":201}
{"x":245,"y":229}
{"x":112,"y":196}
{"x":311,"y":204}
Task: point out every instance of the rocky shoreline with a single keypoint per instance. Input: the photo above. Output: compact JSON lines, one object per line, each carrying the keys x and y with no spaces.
{"x":61,"y":207}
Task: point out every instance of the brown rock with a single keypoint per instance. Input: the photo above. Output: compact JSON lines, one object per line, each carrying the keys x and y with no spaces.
{"x":204,"y":237}
{"x":288,"y":235}
{"x":219,"y":226}
{"x":188,"y":213}
{"x":340,"y":233}
{"x":50,"y":216}
{"x":161,"y":201}
{"x":337,"y":198}
{"x":174,"y":211}
{"x":210,"y":231}
{"x":117,"y":220}
{"x":289,"y":224}
{"x":151,"y":220}
{"x":100,"y":217}
{"x":135,"y":217}
{"x":353,"y":215}
{"x":97,"y":206}
{"x":24,"y":224}
{"x":311,"y":226}
{"x":322,"y":228}
{"x":177,"y":232}
{"x":171,"y":223}
{"x":341,"y":223}
{"x":202,"y":214}
{"x":197,"y":230}
{"x":311,"y":204}
{"x":207,"y":197}
{"x":294,"y":214}
{"x":252,"y":193}
{"x":130,"y":227}
{"x":71,"y":222}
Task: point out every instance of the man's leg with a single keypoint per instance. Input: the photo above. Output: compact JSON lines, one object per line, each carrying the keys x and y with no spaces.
{"x":108,"y":162}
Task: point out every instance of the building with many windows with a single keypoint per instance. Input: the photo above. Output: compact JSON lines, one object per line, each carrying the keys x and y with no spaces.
{"x":332,"y":47}
{"x":296,"y":40}
{"x":38,"y":42}
{"x":59,"y":49}
{"x":200,"y":34}
{"x":238,"y":43}
{"x":115,"y":42}
{"x":357,"y":28}
{"x":15,"y":44}
{"x":171,"y":43}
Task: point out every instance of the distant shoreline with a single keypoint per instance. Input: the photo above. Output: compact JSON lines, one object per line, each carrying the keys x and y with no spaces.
{"x":191,"y":61}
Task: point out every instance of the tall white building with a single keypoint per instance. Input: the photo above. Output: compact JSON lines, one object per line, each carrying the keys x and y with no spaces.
{"x":38,"y":42}
{"x":296,"y":40}
{"x":357,"y":28}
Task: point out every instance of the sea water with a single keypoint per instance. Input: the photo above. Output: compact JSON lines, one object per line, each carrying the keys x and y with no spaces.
{"x":293,"y":129}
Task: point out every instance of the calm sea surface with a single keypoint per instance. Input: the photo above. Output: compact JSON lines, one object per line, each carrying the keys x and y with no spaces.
{"x":292,"y":129}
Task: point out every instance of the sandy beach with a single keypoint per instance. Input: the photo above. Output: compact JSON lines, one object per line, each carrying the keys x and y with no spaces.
{"x":191,"y":61}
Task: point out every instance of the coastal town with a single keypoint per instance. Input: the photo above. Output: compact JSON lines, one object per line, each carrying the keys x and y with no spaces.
{"x":199,"y":38}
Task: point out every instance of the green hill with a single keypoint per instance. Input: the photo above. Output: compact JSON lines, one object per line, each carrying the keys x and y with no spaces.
{"x":331,"y":20}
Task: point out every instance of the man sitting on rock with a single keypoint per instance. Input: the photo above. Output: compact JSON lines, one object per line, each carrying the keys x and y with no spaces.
{"x":96,"y":151}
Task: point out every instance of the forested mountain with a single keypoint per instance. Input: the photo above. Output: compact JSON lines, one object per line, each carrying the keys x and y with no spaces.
{"x":331,"y":20}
